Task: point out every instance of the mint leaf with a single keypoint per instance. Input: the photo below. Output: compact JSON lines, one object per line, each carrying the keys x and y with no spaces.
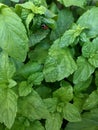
{"x":54,"y":122}
{"x":38,"y":36}
{"x":7,"y":68}
{"x":13,"y":36}
{"x":36,"y":78}
{"x":91,"y":101}
{"x":33,"y":105}
{"x":83,"y":72}
{"x":73,"y":2}
{"x":29,"y":68}
{"x":24,"y":88}
{"x":82,"y":86}
{"x":70,"y":36}
{"x":64,"y":93}
{"x":8,"y":107}
{"x":71,"y":113}
{"x":59,"y":63}
{"x":30,"y":6}
{"x":89,"y":122}
{"x":90,"y":50}
{"x":36,"y":125}
{"x":51,"y":104}
{"x":91,"y":24}
{"x":65,"y":18}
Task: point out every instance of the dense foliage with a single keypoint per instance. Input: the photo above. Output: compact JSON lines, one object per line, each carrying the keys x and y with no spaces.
{"x":48,"y":65}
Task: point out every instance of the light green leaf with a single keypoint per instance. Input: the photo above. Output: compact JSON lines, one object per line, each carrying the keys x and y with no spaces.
{"x":24,"y":88}
{"x":68,"y":3}
{"x":36,"y":78}
{"x":54,"y":122}
{"x":83,"y":71}
{"x":70,"y":36}
{"x":64,"y":93}
{"x":71,"y":113}
{"x":13,"y":38}
{"x":29,"y":19}
{"x":12,"y":83}
{"x":8,"y":107}
{"x":91,"y":101}
{"x":33,"y":107}
{"x":59,"y":63}
{"x":89,"y":20}
{"x":65,"y":19}
{"x":7,"y":68}
{"x":30,"y":6}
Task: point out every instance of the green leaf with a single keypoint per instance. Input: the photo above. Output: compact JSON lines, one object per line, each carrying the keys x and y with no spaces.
{"x":13,"y":36}
{"x":79,"y":100}
{"x":65,"y":19}
{"x":39,"y":54}
{"x":12,"y":83}
{"x":43,"y":91}
{"x":82,"y":86}
{"x":89,"y":122}
{"x":51,"y":104}
{"x":7,"y":68}
{"x":90,"y":50}
{"x":36,"y":78}
{"x":8,"y":107}
{"x":36,"y":37}
{"x":83,"y":71}
{"x":54,"y":122}
{"x":91,"y":101}
{"x":15,"y":0}
{"x":29,"y":68}
{"x":59,"y":63}
{"x":39,"y":2}
{"x":68,"y":3}
{"x":33,"y":107}
{"x":36,"y":125}
{"x":70,"y":36}
{"x":89,"y":20}
{"x":24,"y":88}
{"x":71,"y":113}
{"x":64,"y":93}
{"x":96,"y":78}
{"x":30,"y":6}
